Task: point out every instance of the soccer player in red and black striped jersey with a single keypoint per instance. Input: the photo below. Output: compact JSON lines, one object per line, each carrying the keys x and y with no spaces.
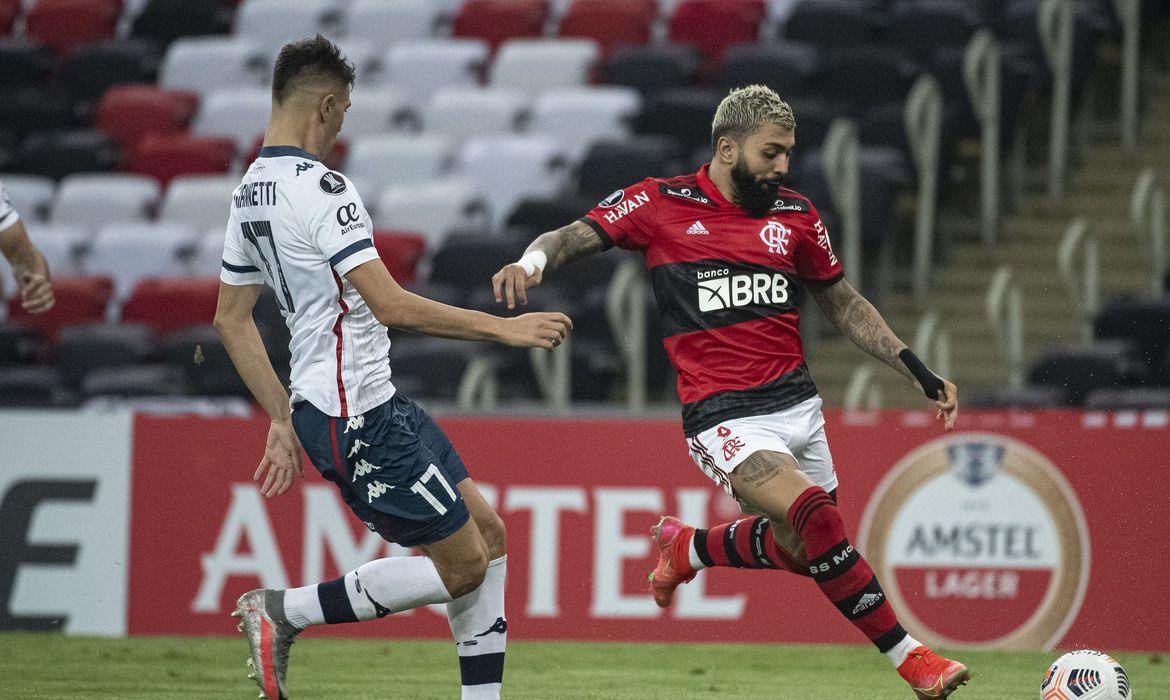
{"x":729,"y":250}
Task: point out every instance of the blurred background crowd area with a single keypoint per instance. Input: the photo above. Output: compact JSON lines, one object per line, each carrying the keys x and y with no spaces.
{"x":476,"y":125}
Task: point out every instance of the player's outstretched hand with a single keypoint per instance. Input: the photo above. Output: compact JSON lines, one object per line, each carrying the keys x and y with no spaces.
{"x":511,"y":284}
{"x":36,"y":293}
{"x":282,"y":460}
{"x":948,"y":405}
{"x":536,"y":330}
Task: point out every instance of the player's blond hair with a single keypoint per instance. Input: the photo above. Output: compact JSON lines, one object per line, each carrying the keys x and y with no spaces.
{"x":748,"y":108}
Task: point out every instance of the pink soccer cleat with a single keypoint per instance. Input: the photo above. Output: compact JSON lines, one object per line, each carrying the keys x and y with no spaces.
{"x":673,"y":539}
{"x":932,"y":676}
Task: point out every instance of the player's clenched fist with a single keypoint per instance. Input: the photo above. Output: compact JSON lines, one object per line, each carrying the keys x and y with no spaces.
{"x":536,"y":330}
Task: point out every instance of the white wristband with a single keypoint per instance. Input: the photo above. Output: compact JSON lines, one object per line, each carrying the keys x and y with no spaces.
{"x":531,"y":262}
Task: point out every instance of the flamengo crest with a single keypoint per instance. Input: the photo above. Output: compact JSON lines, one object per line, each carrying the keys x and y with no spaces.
{"x":776,"y":236}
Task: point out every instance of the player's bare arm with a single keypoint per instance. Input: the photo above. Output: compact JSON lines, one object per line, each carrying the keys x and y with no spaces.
{"x":29,"y":267}
{"x":394,"y":306}
{"x":852,"y":313}
{"x":233,"y":321}
{"x":548,"y":252}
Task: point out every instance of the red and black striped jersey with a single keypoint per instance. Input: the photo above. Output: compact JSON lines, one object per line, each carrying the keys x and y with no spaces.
{"x":728,"y":288}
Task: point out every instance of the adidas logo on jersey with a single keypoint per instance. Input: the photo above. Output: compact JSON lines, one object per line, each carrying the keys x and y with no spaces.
{"x":867,"y":601}
{"x":698,"y":229}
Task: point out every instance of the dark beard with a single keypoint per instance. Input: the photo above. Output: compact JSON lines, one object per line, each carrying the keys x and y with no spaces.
{"x":755,"y":196}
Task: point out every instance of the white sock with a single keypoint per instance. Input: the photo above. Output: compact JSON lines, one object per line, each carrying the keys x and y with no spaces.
{"x":480,"y":630}
{"x":901,"y":650}
{"x":696,"y":562}
{"x":375,"y":589}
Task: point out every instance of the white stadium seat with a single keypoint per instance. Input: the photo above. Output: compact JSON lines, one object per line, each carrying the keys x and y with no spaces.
{"x":62,"y":246}
{"x":240,"y":114}
{"x":432,"y":209}
{"x":543,"y":64}
{"x":31,"y":195}
{"x":392,"y":20}
{"x":375,"y":112}
{"x":206,"y":258}
{"x":199,"y":201}
{"x":273,"y":23}
{"x":375,"y":162}
{"x":581,"y":116}
{"x":206,"y":64}
{"x":506,"y":169}
{"x":130,"y":253}
{"x":421,"y":68}
{"x":469,"y":112}
{"x":93,"y":200}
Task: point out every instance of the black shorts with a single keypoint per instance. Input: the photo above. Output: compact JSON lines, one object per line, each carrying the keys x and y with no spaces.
{"x":395,"y":468}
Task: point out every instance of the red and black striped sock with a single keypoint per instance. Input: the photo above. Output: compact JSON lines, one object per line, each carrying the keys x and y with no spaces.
{"x":840,"y":571}
{"x":744,"y":544}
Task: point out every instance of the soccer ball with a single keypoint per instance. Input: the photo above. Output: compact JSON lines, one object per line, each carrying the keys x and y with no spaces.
{"x":1085,"y":675}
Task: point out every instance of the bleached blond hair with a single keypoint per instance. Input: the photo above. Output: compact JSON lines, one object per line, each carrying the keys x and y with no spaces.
{"x":748,"y":108}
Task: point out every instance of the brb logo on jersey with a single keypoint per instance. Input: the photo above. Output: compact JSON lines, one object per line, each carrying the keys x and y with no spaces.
{"x":720,"y":290}
{"x":776,"y":236}
{"x":978,"y":540}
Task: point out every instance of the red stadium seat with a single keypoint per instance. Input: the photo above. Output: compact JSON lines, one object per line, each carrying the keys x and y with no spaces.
{"x":400,"y":251}
{"x":167,"y":156}
{"x":611,"y":23}
{"x":62,"y":24}
{"x":9,"y":9}
{"x":169,"y":303}
{"x":714,"y":25}
{"x":496,"y":21}
{"x":129,"y":112}
{"x":78,"y":300}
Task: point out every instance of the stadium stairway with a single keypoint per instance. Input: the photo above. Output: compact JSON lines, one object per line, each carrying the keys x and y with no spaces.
{"x":1100,"y":185}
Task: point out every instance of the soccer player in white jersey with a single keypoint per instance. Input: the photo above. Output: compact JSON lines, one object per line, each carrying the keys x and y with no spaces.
{"x":28,"y":264}
{"x":302,"y":229}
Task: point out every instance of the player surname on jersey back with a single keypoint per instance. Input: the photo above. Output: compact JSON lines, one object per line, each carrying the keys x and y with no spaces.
{"x":255,"y":194}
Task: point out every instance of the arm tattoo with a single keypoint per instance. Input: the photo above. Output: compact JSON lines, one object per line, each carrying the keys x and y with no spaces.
{"x":758,"y":469}
{"x":861,"y":323}
{"x":568,"y":243}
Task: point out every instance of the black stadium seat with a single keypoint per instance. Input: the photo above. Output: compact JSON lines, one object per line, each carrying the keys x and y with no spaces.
{"x":31,"y":387}
{"x":432,"y":367}
{"x":23,"y":61}
{"x":612,"y":165}
{"x":30,"y":108}
{"x":536,"y":216}
{"x":163,"y":21}
{"x":92,"y":68}
{"x":1080,"y":370}
{"x":832,"y":23}
{"x":786,"y":68}
{"x":1130,"y":398}
{"x":470,"y":260}
{"x":865,"y":75}
{"x":925,"y":26}
{"x":19,"y":345}
{"x":85,"y":348}
{"x":683,"y":114}
{"x":141,"y":380}
{"x":213,"y":374}
{"x":1145,"y":323}
{"x":61,"y":153}
{"x":652,"y":67}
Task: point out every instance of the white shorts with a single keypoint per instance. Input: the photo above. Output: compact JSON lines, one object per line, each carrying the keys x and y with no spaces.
{"x":797,"y":431}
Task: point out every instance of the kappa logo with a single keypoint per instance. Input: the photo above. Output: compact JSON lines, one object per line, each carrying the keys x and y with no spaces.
{"x":302,"y":167}
{"x":364,"y":467}
{"x":357,"y":445}
{"x":379,"y":609}
{"x":698,"y":229}
{"x":720,"y":290}
{"x":867,"y":601}
{"x":376,"y":489}
{"x":332,"y":183}
{"x":500,"y":626}
{"x":776,"y":236}
{"x":354,"y":423}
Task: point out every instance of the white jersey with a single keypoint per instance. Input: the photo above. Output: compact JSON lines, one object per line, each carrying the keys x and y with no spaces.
{"x":8,"y":215}
{"x":299,"y":228}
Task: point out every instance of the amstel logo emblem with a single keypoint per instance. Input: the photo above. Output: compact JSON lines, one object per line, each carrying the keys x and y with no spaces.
{"x":979,"y":541}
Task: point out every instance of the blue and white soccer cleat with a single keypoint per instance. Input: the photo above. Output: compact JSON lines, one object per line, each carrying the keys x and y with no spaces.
{"x":270,"y":635}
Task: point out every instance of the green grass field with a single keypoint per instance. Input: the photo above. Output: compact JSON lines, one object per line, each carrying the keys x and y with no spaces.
{"x":54,"y":666}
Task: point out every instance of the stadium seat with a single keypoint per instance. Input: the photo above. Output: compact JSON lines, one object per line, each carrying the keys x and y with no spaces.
{"x":62,"y":24}
{"x":205,"y":257}
{"x":206,"y":64}
{"x":786,"y":68}
{"x":375,"y":162}
{"x":128,"y":112}
{"x":535,"y":65}
{"x":31,"y":387}
{"x":496,"y":21}
{"x":1130,"y":398}
{"x":143,"y":380}
{"x":401,"y":252}
{"x":86,"y":347}
{"x":20,"y":345}
{"x":1080,"y":370}
{"x":925,"y":26}
{"x":57,"y":154}
{"x":201,"y":202}
{"x":536,"y":216}
{"x":167,"y":304}
{"x":214,"y":374}
{"x":471,"y":259}
{"x":714,"y":25}
{"x":31,"y":109}
{"x":273,"y":23}
{"x":613,"y":165}
{"x":62,"y":246}
{"x":1146,"y":323}
{"x":864,"y":76}
{"x":683,"y":114}
{"x":129,"y":253}
{"x":577,"y":117}
{"x":432,"y":209}
{"x":90,"y":69}
{"x":431,"y":367}
{"x":9,"y":10}
{"x":830,"y":23}
{"x":421,"y":68}
{"x":1027,"y":398}
{"x":375,"y":112}
{"x":652,"y":67}
{"x":610,"y":23}
{"x":24,"y":62}
{"x":505,"y":169}
{"x":31,"y":195}
{"x":165,"y":157}
{"x":392,"y":22}
{"x":77,"y":300}
{"x":467,"y":113}
{"x":96,"y":200}
{"x":239,"y":114}
{"x":164,"y":21}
